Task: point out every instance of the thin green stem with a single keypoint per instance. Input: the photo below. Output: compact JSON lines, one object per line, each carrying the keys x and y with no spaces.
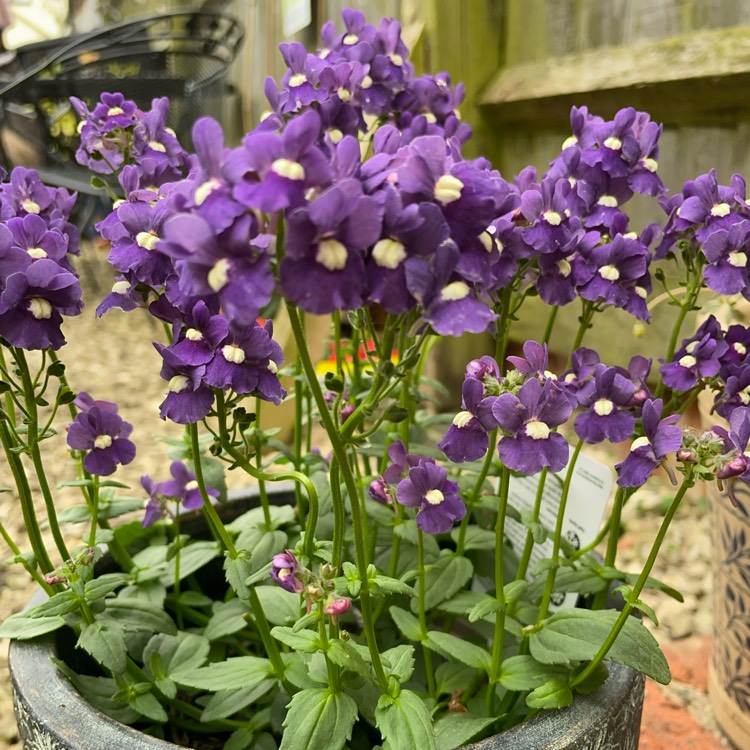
{"x":632,"y":597}
{"x":339,"y":449}
{"x":24,"y":562}
{"x":549,"y":587}
{"x":259,"y":465}
{"x":94,"y":509}
{"x":421,"y":594}
{"x":499,"y":631}
{"x":528,"y":547}
{"x":550,"y":324}
{"x":484,"y":471}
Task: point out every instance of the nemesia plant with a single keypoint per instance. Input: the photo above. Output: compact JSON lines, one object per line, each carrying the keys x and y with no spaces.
{"x":384,"y":605}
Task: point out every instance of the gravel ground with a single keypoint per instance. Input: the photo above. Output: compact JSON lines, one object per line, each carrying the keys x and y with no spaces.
{"x":124,"y":367}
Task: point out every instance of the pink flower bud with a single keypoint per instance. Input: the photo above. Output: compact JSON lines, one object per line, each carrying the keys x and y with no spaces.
{"x":338,"y":606}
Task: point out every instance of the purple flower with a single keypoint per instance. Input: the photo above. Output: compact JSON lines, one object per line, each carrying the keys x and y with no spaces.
{"x":324,"y":268}
{"x":530,"y":419}
{"x":605,"y":397}
{"x":727,"y":254}
{"x":428,"y":489}
{"x":699,"y":357}
{"x":188,"y":398}
{"x":467,"y":438}
{"x":33,"y":302}
{"x":401,"y":462}
{"x":155,"y":506}
{"x":284,"y":571}
{"x":378,"y":490}
{"x":661,"y":436}
{"x":184,"y":487}
{"x":103,"y":435}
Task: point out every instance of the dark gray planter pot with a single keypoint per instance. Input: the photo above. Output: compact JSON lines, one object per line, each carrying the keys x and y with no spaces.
{"x":52,"y":715}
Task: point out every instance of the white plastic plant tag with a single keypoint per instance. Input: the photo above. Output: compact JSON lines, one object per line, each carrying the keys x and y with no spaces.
{"x":587,"y":499}
{"x":296,"y":15}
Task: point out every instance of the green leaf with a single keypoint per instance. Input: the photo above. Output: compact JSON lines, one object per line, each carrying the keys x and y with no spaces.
{"x":192,"y":558}
{"x":407,"y":530}
{"x":281,"y":607}
{"x":237,"y":570}
{"x":102,"y":585}
{"x":74,"y":514}
{"x":306,"y":641}
{"x":229,"y":702}
{"x":139,"y":615}
{"x":194,"y":599}
{"x":486,"y":607}
{"x":405,"y":722}
{"x":61,"y":603}
{"x":120,"y":506}
{"x":149,"y":706}
{"x":345,"y":654}
{"x":583,"y":581}
{"x":389,"y":585}
{"x":105,"y":642}
{"x":236,"y":673}
{"x":456,"y":729}
{"x":228,"y":618}
{"x":407,"y":624}
{"x":593,"y":682}
{"x":399,"y":661}
{"x":577,"y":635}
{"x":318,"y":720}
{"x":176,"y":652}
{"x":451,"y":676}
{"x":22,"y":628}
{"x":554,"y":693}
{"x":446,"y":576}
{"x":476,"y":538}
{"x":458,"y":649}
{"x":524,"y":672}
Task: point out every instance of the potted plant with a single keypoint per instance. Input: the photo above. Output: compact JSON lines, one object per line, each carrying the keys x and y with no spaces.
{"x":421,"y":588}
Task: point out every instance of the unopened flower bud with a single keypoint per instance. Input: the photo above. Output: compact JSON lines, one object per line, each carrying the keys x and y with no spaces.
{"x":687,"y":456}
{"x":284,"y":572}
{"x":379,"y":491}
{"x":338,"y":606}
{"x":54,"y":578}
{"x":328,"y":571}
{"x":733,"y":468}
{"x":346,"y":412}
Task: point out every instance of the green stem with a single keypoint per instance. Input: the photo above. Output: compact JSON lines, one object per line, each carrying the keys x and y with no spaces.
{"x":550,"y":324}
{"x":27,"y":504}
{"x":639,"y":585}
{"x":499,"y":632}
{"x":339,"y":515}
{"x":24,"y":562}
{"x":259,"y":465}
{"x":552,"y":572}
{"x":485,"y":470}
{"x":528,"y":546}
{"x":613,"y":537}
{"x":334,"y":675}
{"x":431,"y":688}
{"x":339,"y":450}
{"x":587,"y":313}
{"x":94,"y":508}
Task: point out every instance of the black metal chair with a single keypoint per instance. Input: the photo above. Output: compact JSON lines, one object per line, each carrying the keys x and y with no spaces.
{"x":184,"y":55}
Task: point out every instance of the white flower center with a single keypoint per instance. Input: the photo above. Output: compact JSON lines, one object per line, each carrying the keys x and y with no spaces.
{"x":720,"y":209}
{"x":604,"y":407}
{"x":552,"y":217}
{"x":121,"y":287}
{"x":550,"y":375}
{"x":397,"y":60}
{"x":113,"y":111}
{"x":462,"y":419}
{"x":571,"y":140}
{"x":641,"y":292}
{"x":203,"y":191}
{"x":297,"y":80}
{"x":344,"y":94}
{"x":366,"y":82}
{"x":608,"y":201}
{"x":537,"y":430}
{"x":488,"y":241}
{"x":30,"y":206}
{"x":609,"y":272}
{"x":289,"y":169}
{"x":335,"y":135}
{"x":739,"y":348}
{"x":102,"y":441}
{"x":613,"y":142}
{"x":434,"y":497}
{"x":454,"y":291}
{"x":156,"y":146}
{"x":737,"y":259}
{"x":745,"y":395}
{"x":350,"y":39}
{"x":233,"y":354}
{"x":448,"y":189}
{"x":178,"y":383}
{"x":564,"y":268}
{"x":332,"y":254}
{"x":193,"y":334}
{"x":191,"y":485}
{"x":40,"y":308}
{"x":691,"y":347}
{"x":639,"y":443}
{"x":688,"y":361}
{"x":146,"y":240}
{"x":388,"y":253}
{"x":430,"y":117}
{"x":650,"y":164}
{"x":272,"y":367}
{"x":37,"y":252}
{"x":218,"y":276}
